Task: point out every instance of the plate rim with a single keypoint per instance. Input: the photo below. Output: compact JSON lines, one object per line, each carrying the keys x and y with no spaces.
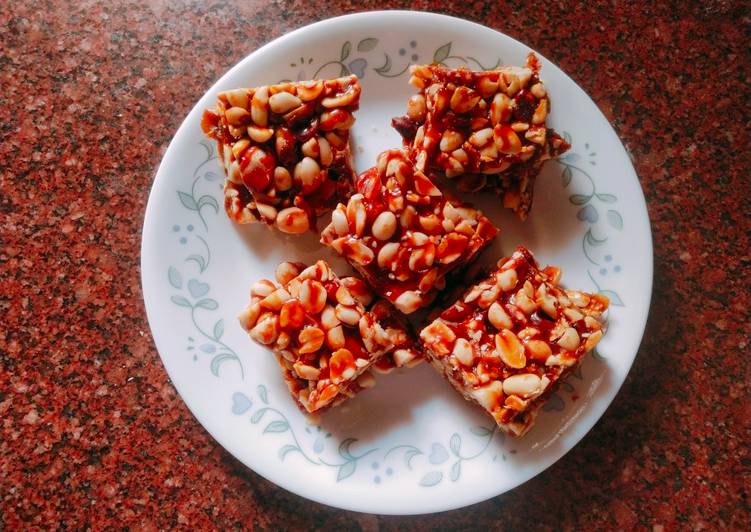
{"x":267,"y":472}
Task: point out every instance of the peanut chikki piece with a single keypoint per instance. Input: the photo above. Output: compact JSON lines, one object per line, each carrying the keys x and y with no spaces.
{"x":403,"y":235}
{"x":406,"y":351}
{"x":487,"y":129}
{"x":323,"y":338}
{"x":511,"y":337}
{"x":285,"y":150}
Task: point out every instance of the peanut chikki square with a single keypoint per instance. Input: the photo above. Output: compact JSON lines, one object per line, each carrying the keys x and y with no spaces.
{"x":403,"y":235}
{"x":285,"y":150}
{"x":486,"y":129}
{"x":507,"y":341}
{"x":323,"y":338}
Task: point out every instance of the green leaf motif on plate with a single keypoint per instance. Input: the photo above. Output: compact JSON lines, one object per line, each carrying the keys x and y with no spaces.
{"x":368,"y":44}
{"x":431,"y":479}
{"x":615,"y":219}
{"x":218,"y":329}
{"x":187,"y":200}
{"x":579,"y":199}
{"x":440,"y":55}
{"x":258,"y":415}
{"x":455,"y":443}
{"x":607,"y":198}
{"x":175,"y":279}
{"x":567,"y":175}
{"x":263,"y":394}
{"x":346,"y":48}
{"x":208,"y":304}
{"x":181,"y":301}
{"x":347,"y":469}
{"x":276,"y":426}
{"x":456,"y":470}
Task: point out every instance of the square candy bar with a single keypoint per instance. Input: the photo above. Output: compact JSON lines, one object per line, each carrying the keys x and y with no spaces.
{"x":487,"y":129}
{"x":511,"y":337}
{"x":285,"y":150}
{"x":324,"y":339}
{"x":403,"y":235}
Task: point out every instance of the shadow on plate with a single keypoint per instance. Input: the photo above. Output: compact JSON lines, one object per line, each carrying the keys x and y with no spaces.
{"x":390,"y":405}
{"x":268,"y":243}
{"x":559,"y":414}
{"x":551,"y":225}
{"x":394,"y":402}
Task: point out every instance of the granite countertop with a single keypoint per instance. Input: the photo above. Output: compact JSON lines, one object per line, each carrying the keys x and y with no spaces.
{"x":92,"y":432}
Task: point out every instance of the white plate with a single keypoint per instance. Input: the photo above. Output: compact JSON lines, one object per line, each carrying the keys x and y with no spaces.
{"x":411,"y":444}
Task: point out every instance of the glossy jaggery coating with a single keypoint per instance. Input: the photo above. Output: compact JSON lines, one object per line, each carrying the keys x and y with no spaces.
{"x":486,"y":129}
{"x":285,"y":150}
{"x":509,"y":338}
{"x":403,"y":234}
{"x":321,"y":334}
{"x":312,"y":323}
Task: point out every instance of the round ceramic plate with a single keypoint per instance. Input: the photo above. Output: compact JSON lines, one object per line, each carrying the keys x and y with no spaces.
{"x":411,"y":444}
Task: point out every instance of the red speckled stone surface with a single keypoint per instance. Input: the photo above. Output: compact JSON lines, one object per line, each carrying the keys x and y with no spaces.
{"x":92,"y":433}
